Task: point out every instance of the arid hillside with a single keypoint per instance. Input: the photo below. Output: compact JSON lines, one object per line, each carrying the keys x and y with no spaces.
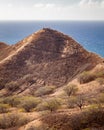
{"x":48,"y":81}
{"x":78,"y":105}
{"x":47,"y":56}
{"x":4,"y":50}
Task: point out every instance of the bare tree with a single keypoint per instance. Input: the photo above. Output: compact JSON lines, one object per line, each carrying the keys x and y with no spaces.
{"x":80,"y":101}
{"x":76,"y":101}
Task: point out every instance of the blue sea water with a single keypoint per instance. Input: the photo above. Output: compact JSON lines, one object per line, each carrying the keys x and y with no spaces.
{"x":89,"y":34}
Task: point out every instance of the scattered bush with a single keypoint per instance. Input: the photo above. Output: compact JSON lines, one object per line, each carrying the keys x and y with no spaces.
{"x":2,"y":83}
{"x":100,"y":81}
{"x":12,"y":120}
{"x":57,"y":121}
{"x":77,"y":101}
{"x":4,"y":108}
{"x":71,"y":103}
{"x":94,"y":106}
{"x":28,"y":78}
{"x":12,"y":86}
{"x":41,"y":127}
{"x":95,"y":117}
{"x":25,"y":102}
{"x":101,"y":98}
{"x":51,"y":104}
{"x":13,"y":101}
{"x":86,"y":119}
{"x":100,"y":74}
{"x":80,"y":100}
{"x":71,"y":89}
{"x":28,"y":103}
{"x":92,"y":101}
{"x":44,"y":90}
{"x":86,"y":77}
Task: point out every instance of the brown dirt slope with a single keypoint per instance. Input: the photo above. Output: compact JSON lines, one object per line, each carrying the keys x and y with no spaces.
{"x":51,"y":57}
{"x":4,"y":50}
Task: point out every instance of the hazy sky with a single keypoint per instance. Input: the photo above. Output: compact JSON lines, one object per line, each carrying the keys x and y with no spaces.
{"x":51,"y":9}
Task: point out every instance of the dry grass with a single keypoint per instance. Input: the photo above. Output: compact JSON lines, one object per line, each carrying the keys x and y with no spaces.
{"x":85,"y":119}
{"x":44,"y":91}
{"x":12,"y":120}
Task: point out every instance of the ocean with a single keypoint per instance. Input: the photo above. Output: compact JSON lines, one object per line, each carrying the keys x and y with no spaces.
{"x":90,"y":34}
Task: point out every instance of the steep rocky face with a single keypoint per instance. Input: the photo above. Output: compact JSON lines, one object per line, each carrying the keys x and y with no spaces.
{"x":51,"y":57}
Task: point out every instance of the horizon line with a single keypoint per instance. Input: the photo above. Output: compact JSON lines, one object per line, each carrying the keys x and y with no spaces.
{"x":51,"y":20}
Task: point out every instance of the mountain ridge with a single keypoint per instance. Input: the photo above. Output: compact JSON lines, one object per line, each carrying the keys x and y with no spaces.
{"x":51,"y":57}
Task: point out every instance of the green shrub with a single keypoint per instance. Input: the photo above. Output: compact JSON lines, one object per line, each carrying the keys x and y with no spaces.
{"x":44,"y":90}
{"x":4,"y":108}
{"x":13,"y":101}
{"x":86,"y":77}
{"x":51,"y":104}
{"x":100,"y":74}
{"x":12,"y":86}
{"x":93,"y":106}
{"x":71,"y":89}
{"x":25,"y":102}
{"x":28,"y":103}
{"x":12,"y":120}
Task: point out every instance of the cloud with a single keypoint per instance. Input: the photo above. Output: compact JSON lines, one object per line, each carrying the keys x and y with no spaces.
{"x":52,"y":10}
{"x":10,"y":5}
{"x":38,"y":5}
{"x":102,"y":3}
{"x":91,"y":3}
{"x":83,"y":2}
{"x":43,"y":5}
{"x":50,"y":5}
